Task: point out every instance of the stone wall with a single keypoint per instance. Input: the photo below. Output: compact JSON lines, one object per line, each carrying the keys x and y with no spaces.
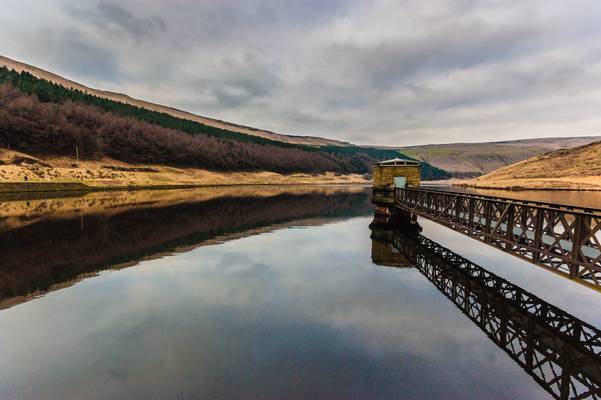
{"x":383,"y":253}
{"x":384,"y":175}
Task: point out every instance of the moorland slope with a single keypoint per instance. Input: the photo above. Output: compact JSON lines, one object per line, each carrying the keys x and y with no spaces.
{"x":123,"y":98}
{"x":573,"y":168}
{"x":474,"y":159}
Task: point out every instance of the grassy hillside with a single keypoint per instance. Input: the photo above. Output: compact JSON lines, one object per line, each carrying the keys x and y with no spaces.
{"x":23,"y":172}
{"x":474,"y":159}
{"x":573,"y":168}
{"x":43,"y":118}
{"x":123,"y":99}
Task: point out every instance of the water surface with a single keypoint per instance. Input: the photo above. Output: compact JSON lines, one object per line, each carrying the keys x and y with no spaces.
{"x":580,"y":198}
{"x":255,"y":293}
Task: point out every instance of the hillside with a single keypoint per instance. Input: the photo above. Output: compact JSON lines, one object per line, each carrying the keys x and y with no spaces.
{"x":573,"y":168}
{"x":123,"y":98}
{"x":47,"y":120}
{"x":473,"y":159}
{"x":22,"y":172}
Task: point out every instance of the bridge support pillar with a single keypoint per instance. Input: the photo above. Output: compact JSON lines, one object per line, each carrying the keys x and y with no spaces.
{"x":387,"y":214}
{"x":400,"y":217}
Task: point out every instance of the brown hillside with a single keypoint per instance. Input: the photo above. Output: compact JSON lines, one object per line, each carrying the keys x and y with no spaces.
{"x":573,"y":168}
{"x":40,"y":73}
{"x":25,"y":170}
{"x":472,"y":159}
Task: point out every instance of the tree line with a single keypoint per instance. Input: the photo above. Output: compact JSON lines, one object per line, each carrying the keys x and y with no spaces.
{"x":50,"y":92}
{"x":28,"y":125}
{"x":48,"y":118}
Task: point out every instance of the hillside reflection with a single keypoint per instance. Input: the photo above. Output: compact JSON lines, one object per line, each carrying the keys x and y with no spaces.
{"x":559,"y":351}
{"x":48,"y":243}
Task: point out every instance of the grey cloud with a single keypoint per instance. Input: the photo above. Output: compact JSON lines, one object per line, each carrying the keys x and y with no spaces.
{"x":392,"y":61}
{"x":302,"y":12}
{"x":231,"y":96}
{"x":237,"y":91}
{"x":240,"y":80}
{"x":110,"y":16}
{"x":382,"y":72}
{"x":71,"y":53}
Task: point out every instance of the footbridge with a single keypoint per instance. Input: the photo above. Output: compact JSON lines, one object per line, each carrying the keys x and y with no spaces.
{"x":560,"y":238}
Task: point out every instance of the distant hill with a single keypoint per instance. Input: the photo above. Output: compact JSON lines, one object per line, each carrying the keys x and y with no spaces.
{"x":49,"y":76}
{"x":474,"y":159}
{"x":573,"y":168}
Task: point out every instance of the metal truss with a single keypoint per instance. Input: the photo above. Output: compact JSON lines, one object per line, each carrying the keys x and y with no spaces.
{"x":559,"y":351}
{"x":564,"y":239}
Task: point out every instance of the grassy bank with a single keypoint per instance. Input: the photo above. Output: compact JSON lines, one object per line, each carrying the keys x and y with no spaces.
{"x":20,"y":172}
{"x":576,"y":168}
{"x":587,"y":183}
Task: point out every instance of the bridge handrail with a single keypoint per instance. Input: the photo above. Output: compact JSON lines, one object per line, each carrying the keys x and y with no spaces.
{"x":539,"y":204}
{"x":566,"y":240}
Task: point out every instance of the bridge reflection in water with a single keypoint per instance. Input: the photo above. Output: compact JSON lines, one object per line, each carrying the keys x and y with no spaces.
{"x":559,"y":351}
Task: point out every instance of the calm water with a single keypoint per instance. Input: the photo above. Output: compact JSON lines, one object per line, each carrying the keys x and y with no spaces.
{"x":583,"y":198}
{"x":242,"y":293}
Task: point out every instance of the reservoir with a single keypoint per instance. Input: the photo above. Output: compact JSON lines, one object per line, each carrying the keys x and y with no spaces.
{"x":247,"y":292}
{"x":579,"y":198}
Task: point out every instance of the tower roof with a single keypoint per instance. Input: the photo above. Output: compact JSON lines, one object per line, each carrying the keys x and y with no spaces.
{"x":397,"y":162}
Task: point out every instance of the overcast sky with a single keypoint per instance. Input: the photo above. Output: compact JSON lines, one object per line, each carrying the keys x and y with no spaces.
{"x":381,"y":72}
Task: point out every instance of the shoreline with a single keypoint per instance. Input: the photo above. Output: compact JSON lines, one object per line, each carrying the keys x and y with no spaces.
{"x":518,"y":188}
{"x":512,"y":188}
{"x":20,"y":172}
{"x":80,"y":187}
{"x":542,"y":185}
{"x":77,"y":187}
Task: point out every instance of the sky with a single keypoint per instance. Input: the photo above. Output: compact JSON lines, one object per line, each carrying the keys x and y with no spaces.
{"x":398,"y":72}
